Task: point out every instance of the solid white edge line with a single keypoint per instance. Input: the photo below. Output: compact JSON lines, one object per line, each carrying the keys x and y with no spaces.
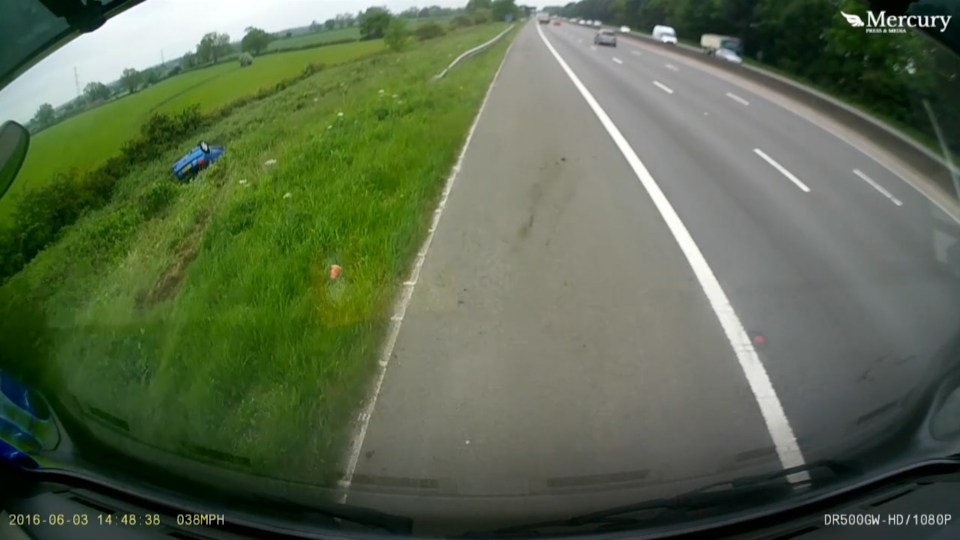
{"x":783,"y":170}
{"x":770,"y":407}
{"x":875,"y":185}
{"x":400,"y":307}
{"x":663,"y":87}
{"x":737,"y":98}
{"x":617,"y":60}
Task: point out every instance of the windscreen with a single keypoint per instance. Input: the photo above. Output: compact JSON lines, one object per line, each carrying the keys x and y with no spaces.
{"x":455,"y":263}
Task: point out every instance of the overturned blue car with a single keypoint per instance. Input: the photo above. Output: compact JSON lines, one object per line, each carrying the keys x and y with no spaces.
{"x":196,"y":160}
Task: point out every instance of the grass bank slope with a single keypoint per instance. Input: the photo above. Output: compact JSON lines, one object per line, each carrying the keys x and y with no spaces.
{"x":203,"y":315}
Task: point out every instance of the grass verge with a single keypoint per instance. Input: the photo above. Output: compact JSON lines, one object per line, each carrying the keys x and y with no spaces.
{"x":203,"y":316}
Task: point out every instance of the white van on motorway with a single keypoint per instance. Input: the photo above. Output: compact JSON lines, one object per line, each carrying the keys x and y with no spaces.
{"x":665,"y":34}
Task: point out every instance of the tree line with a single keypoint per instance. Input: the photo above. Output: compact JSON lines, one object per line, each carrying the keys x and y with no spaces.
{"x":348,"y":20}
{"x":889,"y":74}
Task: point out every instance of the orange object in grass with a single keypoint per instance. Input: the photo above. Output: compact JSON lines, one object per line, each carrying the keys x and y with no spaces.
{"x":335,"y":271}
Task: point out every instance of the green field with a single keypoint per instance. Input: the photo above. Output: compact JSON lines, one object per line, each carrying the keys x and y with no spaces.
{"x":204,"y":313}
{"x":319,"y":38}
{"x":88,"y":139}
{"x":326,"y":36}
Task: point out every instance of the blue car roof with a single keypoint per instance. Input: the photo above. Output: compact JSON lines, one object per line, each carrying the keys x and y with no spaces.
{"x":192,"y":156}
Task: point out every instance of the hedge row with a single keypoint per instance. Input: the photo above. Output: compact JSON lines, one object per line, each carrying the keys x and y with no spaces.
{"x":429,"y":30}
{"x":43,"y":212}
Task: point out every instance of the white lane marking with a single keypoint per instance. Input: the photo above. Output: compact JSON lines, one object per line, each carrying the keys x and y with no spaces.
{"x":778,"y":101}
{"x":617,"y":60}
{"x":878,"y":187}
{"x":663,"y":87}
{"x":638,"y":53}
{"x":671,"y":67}
{"x":737,"y":98}
{"x":593,"y":48}
{"x":406,"y":294}
{"x":951,"y":214}
{"x":770,"y":407}
{"x":803,"y":187}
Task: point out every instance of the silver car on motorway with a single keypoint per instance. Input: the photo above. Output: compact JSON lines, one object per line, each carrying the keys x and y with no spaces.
{"x":728,"y":55}
{"x":605,"y":37}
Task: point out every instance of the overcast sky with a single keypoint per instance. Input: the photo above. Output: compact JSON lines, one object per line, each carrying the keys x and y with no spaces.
{"x":137,"y":37}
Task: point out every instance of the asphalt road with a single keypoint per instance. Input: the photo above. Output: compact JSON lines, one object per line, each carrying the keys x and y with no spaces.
{"x":560,"y":352}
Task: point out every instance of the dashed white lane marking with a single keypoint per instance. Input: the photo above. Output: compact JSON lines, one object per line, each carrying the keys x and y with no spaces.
{"x":873,"y":183}
{"x":756,"y":374}
{"x":737,"y":98}
{"x":663,"y":87}
{"x":406,"y":294}
{"x":638,"y":53}
{"x":783,"y":170}
{"x":617,"y":60}
{"x":672,"y":67}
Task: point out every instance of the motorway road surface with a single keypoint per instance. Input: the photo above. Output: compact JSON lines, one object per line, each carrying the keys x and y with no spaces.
{"x":560,"y":342}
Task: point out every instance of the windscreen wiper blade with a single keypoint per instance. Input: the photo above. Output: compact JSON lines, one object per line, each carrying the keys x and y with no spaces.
{"x":746,"y":492}
{"x":391,"y":523}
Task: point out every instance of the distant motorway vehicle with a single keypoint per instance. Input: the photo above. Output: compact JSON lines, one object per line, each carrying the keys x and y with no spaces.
{"x":543,"y":17}
{"x":624,"y":29}
{"x":729,"y":56}
{"x":665,"y":34}
{"x":711,"y":43}
{"x":605,"y":37}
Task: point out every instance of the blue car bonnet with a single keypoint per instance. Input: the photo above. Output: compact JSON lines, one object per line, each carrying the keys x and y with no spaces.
{"x":190,"y":163}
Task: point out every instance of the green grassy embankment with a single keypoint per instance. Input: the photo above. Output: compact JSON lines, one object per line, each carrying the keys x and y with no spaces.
{"x":204,"y":315}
